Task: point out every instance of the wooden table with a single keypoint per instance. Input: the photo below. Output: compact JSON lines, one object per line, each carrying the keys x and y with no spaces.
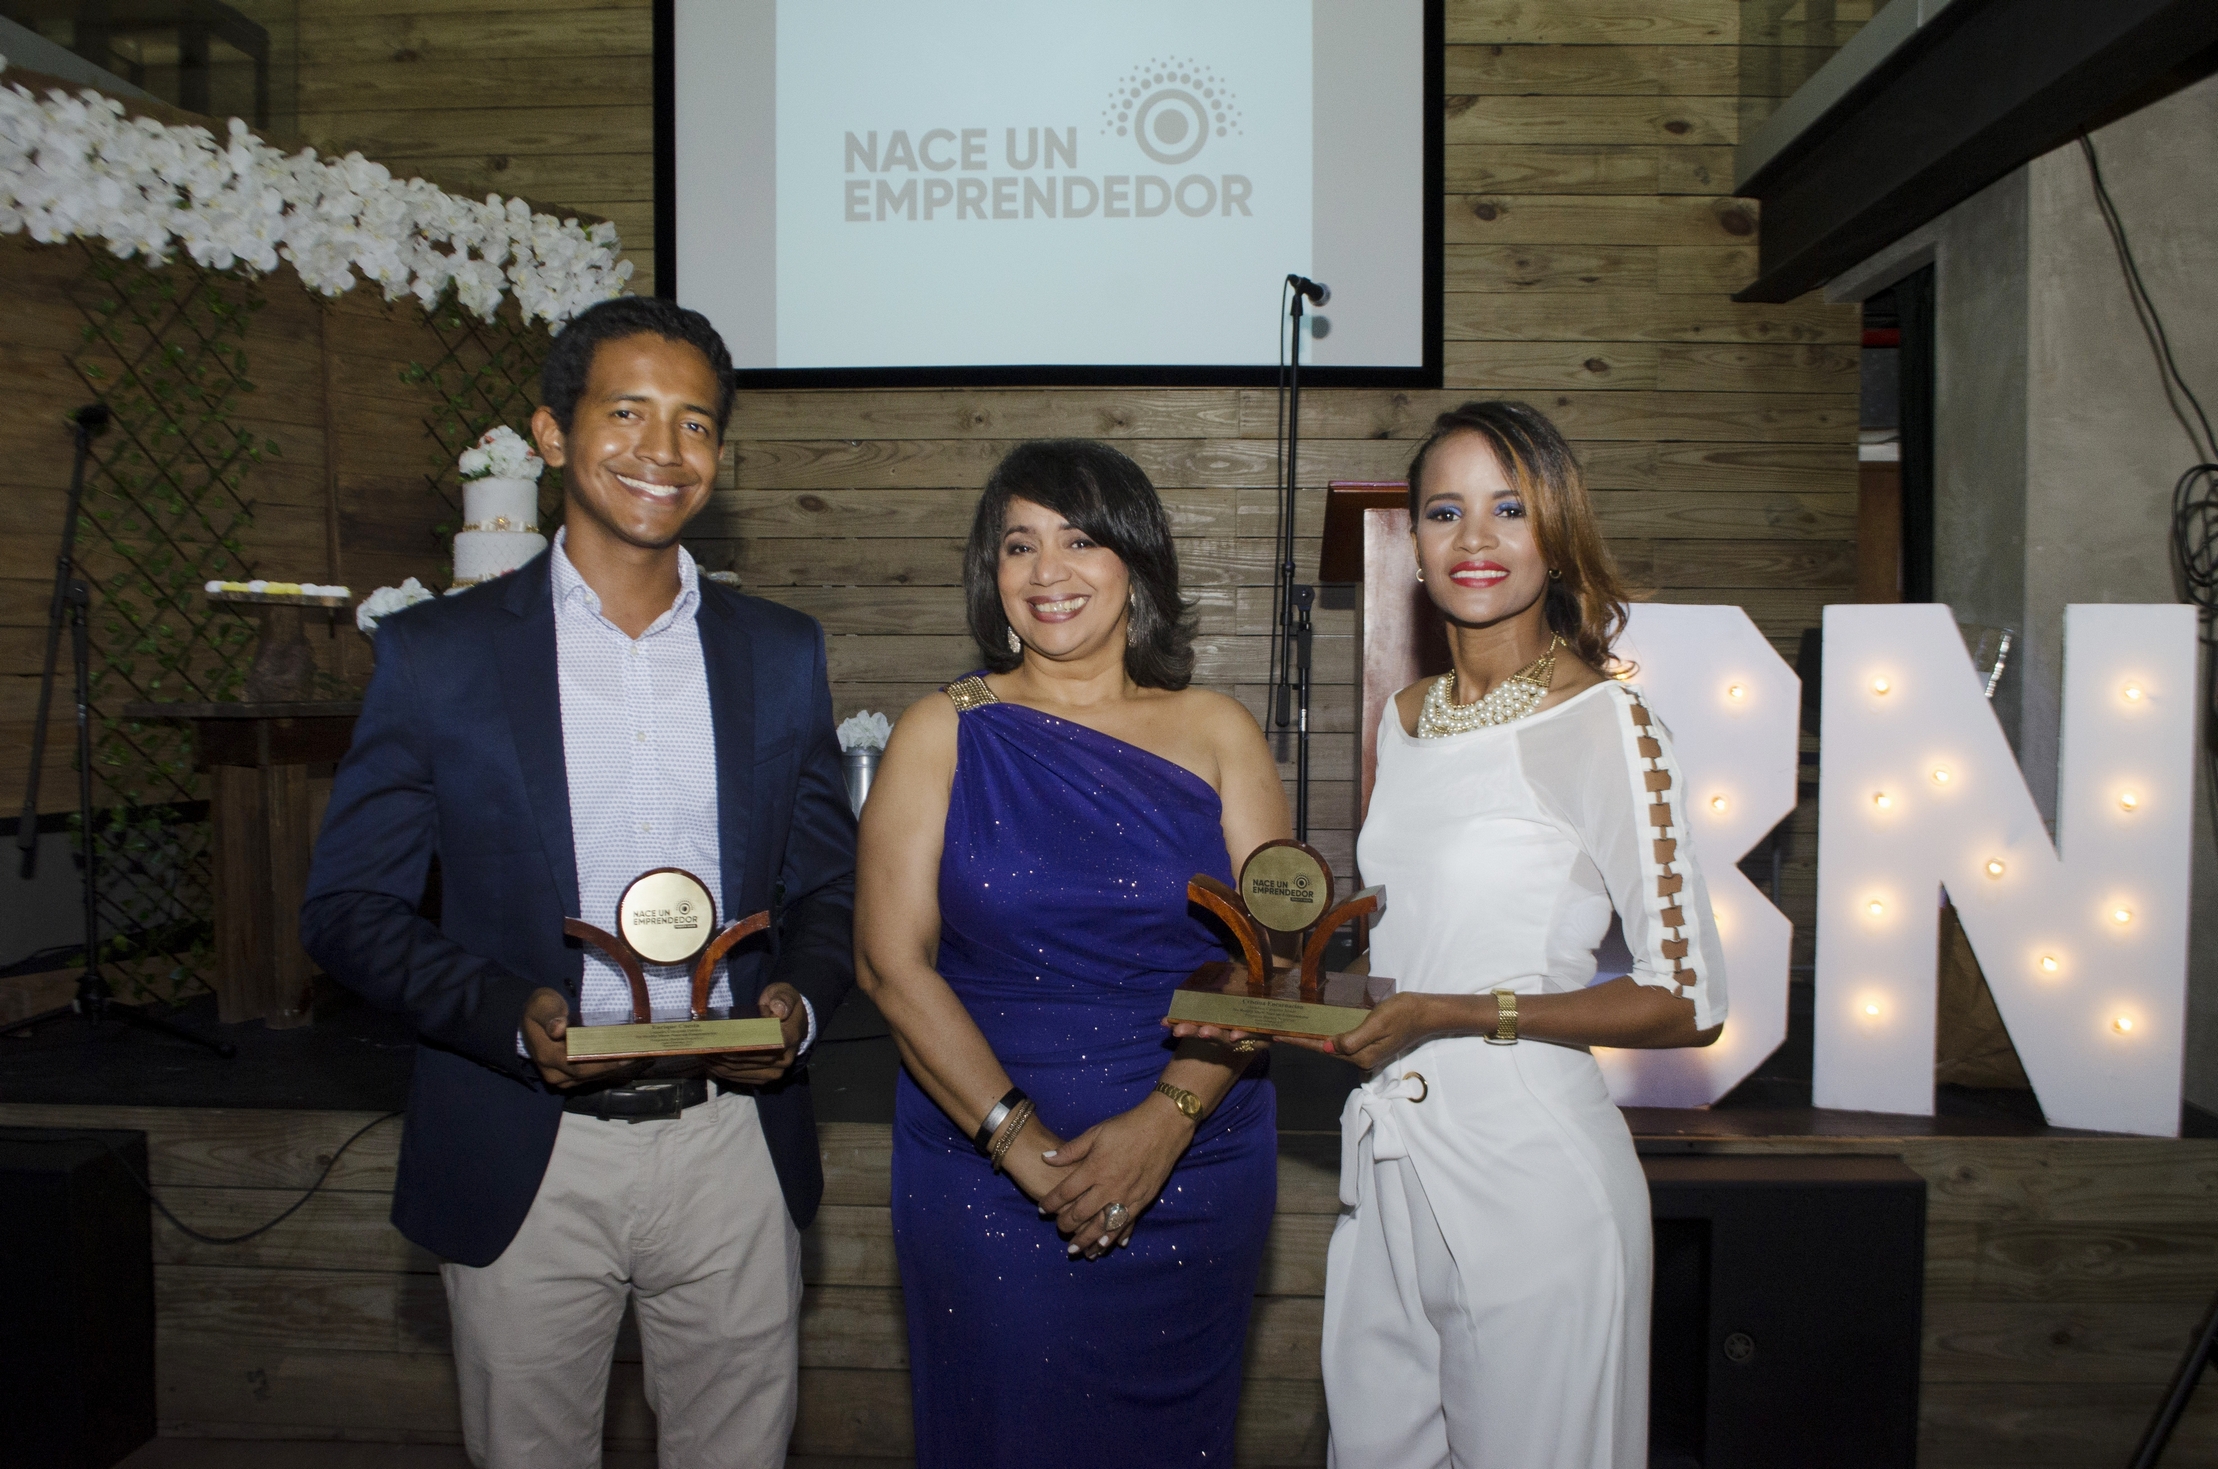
{"x":257,"y":756}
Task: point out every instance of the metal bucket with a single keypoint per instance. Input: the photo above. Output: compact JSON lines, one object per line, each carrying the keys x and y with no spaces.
{"x":862,"y":769}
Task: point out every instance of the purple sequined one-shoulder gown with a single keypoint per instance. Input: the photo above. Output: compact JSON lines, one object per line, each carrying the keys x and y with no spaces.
{"x":1064,"y":929}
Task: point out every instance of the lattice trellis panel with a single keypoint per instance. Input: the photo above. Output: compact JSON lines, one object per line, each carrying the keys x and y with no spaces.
{"x":487,"y":374}
{"x":166,"y":506}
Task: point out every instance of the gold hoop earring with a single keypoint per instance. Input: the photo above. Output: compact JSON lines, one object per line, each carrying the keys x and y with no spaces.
{"x":1554,"y":575}
{"x":1420,"y":576}
{"x":1016,"y":644}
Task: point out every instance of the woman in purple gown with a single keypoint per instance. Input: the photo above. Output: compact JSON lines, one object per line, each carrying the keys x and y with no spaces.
{"x":1079,"y":1201}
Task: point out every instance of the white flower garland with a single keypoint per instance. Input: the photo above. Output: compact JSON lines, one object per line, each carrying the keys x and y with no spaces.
{"x":78,"y":167}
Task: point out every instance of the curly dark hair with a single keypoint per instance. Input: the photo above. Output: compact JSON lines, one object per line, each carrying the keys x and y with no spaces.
{"x":1586,"y":601}
{"x":1108,"y":497}
{"x":562,"y":376}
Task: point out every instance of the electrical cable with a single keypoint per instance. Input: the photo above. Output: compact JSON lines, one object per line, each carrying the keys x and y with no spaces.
{"x":2195,"y":563}
{"x":2144,"y":307}
{"x":2194,"y":526}
{"x":239,"y":1239}
{"x":332,"y":1162}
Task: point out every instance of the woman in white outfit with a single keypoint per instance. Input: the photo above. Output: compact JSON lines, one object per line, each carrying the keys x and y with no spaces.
{"x":1487,"y":1287}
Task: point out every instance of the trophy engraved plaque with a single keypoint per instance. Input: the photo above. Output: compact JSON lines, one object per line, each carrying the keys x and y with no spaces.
{"x":668,"y":916}
{"x":1285,"y":887}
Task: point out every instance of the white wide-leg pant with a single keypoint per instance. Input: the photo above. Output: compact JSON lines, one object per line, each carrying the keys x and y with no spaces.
{"x":1487,"y":1285}
{"x":682,"y":1217}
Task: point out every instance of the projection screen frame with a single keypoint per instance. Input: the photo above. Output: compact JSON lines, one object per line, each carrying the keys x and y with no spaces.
{"x":1423,"y":377}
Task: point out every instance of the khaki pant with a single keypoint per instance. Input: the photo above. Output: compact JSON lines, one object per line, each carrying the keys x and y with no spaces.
{"x":682,"y":1217}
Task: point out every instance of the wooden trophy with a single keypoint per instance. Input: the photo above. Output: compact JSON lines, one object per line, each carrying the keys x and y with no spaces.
{"x":1285,"y":887}
{"x":668,"y":916}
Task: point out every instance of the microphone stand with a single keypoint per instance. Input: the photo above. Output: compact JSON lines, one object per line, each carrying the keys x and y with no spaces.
{"x":71,"y":604}
{"x":1291,"y":663}
{"x":2201,"y":1352}
{"x":1304,"y":598}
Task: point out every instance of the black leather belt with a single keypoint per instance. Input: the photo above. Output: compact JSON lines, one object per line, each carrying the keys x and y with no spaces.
{"x":641,"y":1101}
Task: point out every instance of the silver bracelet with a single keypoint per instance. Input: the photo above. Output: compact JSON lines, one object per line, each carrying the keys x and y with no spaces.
{"x":983,"y":1138}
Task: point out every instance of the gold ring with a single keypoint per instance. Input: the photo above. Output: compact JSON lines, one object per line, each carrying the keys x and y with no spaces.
{"x":1419,"y":1078}
{"x":1244,"y":1048}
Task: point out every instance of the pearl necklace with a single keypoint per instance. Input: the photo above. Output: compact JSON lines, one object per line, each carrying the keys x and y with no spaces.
{"x":1511,"y":699}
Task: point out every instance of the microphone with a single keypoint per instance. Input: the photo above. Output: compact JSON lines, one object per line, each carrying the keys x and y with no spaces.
{"x":1317,"y":291}
{"x":92,"y":418}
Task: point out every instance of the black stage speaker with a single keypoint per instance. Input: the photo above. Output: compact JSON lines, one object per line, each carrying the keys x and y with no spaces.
{"x":76,"y":1299}
{"x":1787,"y":1312}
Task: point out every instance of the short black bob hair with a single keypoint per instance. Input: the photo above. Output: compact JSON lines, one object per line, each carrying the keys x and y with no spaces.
{"x":1106,"y":495}
{"x":562,"y":376}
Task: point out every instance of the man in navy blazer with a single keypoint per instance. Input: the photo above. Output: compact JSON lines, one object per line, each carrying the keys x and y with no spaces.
{"x":547,"y":735}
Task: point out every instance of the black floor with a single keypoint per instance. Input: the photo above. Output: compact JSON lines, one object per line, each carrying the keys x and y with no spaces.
{"x":354,"y":1058}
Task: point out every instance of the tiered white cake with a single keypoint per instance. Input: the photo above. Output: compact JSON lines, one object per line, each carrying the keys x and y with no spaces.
{"x":500,"y":508}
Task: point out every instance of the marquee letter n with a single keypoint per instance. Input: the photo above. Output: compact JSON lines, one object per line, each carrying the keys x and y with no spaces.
{"x":2083,"y":941}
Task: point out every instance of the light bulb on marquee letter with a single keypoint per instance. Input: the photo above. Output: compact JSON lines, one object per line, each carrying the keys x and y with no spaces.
{"x":2106,"y":900}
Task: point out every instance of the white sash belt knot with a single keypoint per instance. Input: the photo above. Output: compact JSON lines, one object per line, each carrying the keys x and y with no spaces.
{"x":1371,"y":1113}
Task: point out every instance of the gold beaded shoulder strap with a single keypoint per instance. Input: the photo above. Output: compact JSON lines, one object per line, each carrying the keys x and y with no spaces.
{"x":969,"y":693}
{"x":1670,"y":876}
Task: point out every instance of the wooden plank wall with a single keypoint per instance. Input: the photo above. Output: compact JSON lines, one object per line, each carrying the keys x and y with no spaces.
{"x":326,"y":375}
{"x":2063,"y":1278}
{"x":552,"y":101}
{"x":1591,"y":251}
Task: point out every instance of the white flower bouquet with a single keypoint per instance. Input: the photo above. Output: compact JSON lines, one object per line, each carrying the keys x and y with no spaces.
{"x":501,"y":453}
{"x":386,"y":601}
{"x":864,"y":731}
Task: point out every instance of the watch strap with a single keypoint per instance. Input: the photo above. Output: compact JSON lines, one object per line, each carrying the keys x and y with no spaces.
{"x":1184,"y":1100}
{"x":1505,"y":1019}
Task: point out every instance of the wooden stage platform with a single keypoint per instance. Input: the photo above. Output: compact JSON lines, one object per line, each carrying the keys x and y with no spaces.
{"x":2064,"y":1273}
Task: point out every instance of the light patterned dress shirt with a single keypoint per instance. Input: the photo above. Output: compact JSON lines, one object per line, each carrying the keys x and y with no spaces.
{"x":639,"y":743}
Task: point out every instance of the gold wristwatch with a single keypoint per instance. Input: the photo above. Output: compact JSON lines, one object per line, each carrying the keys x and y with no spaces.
{"x":1505,"y":1019}
{"x":1184,"y":1100}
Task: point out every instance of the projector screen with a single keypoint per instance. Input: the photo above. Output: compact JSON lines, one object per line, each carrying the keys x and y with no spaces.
{"x":977,"y":191}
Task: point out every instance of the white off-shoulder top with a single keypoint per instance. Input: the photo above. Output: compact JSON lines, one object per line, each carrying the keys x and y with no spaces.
{"x":1504,"y":851}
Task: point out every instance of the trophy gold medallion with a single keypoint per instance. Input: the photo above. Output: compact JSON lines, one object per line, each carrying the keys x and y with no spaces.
{"x":668,"y":916}
{"x":1285,"y":887}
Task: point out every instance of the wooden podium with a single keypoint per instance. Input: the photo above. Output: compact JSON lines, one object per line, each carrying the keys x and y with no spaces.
{"x":257,"y":755}
{"x":1367,"y":542}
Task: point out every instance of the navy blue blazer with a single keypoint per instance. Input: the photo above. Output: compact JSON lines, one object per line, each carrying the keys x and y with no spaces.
{"x":458,"y":754}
